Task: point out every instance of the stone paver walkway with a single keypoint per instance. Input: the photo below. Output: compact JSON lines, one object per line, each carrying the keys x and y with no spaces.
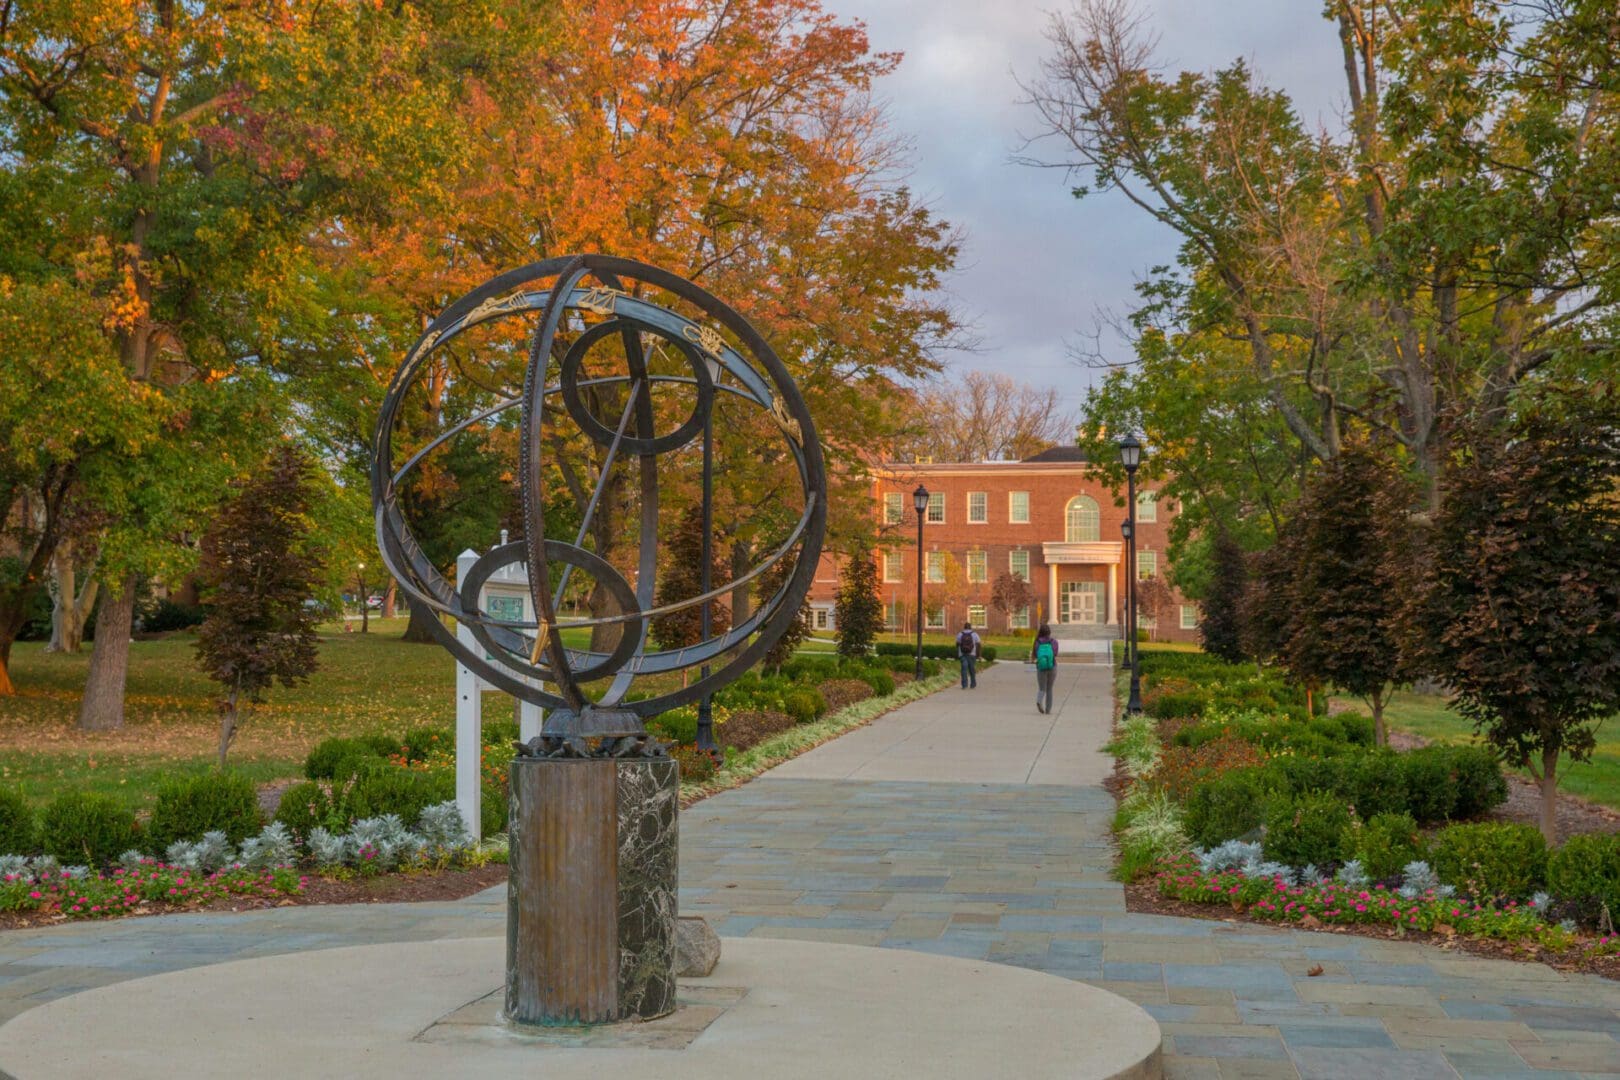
{"x":873,"y":840}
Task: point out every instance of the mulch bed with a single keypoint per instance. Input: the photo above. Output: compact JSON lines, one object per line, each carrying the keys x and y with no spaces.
{"x":385,"y":889}
{"x":842,"y":693}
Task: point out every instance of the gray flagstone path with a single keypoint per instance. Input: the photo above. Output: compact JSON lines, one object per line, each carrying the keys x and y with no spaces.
{"x":968,"y":824}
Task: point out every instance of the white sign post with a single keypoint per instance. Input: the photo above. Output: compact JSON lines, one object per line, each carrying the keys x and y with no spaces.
{"x":505,"y":594}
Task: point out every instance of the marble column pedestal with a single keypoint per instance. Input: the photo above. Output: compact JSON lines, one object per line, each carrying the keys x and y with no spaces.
{"x":591,"y":905}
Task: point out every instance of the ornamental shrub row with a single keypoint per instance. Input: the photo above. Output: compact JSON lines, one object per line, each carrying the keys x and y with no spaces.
{"x":930,"y":650}
{"x":1435,"y":783}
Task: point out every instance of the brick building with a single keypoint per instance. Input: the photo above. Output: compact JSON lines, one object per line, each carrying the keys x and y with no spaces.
{"x":1049,"y":519}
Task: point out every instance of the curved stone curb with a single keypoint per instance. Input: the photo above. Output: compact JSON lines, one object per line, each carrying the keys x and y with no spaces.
{"x":790,"y":1009}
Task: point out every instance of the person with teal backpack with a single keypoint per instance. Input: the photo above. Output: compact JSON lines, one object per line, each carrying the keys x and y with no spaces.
{"x":1044,"y":656}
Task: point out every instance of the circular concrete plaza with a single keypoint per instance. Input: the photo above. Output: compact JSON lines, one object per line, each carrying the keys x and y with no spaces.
{"x":770,"y":1009}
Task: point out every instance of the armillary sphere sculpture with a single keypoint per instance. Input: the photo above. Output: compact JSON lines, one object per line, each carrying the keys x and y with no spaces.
{"x":611,"y":305}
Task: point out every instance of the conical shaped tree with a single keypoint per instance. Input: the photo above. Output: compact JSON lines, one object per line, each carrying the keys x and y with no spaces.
{"x":859,"y":609}
{"x":258,"y":569}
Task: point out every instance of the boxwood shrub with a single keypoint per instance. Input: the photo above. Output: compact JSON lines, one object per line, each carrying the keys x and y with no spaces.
{"x":1586,"y":868}
{"x":304,"y":807}
{"x":1305,"y":829}
{"x":18,"y":831}
{"x":1491,"y":859}
{"x":1385,"y":844}
{"x":390,"y":789}
{"x":84,"y":827}
{"x":338,"y":758}
{"x":1231,"y":805}
{"x":190,"y":806}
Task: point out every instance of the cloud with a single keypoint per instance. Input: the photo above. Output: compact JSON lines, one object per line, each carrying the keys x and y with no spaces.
{"x":1038,"y":265}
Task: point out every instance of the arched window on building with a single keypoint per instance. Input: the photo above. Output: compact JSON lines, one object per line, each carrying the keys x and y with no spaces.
{"x":1081,"y":520}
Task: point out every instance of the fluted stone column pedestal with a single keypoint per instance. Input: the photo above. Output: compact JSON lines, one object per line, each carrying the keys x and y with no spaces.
{"x":590,"y":930}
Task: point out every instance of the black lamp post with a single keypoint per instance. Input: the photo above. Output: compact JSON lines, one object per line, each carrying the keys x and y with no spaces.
{"x":1130,"y":455}
{"x":919,"y":500}
{"x":1126,"y":531}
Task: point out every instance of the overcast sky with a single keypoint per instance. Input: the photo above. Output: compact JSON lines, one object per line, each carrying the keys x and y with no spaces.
{"x":1039,"y":265}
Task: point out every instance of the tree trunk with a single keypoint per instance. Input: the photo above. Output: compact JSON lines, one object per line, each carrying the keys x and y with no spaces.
{"x":227,"y":726}
{"x":7,"y":687}
{"x":103,"y":706}
{"x":1380,"y":734}
{"x":70,"y":605}
{"x":1549,"y":796}
{"x":389,"y":596}
{"x":416,"y":630}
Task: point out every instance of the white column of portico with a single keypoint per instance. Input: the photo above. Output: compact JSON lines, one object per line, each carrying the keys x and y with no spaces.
{"x":1113,"y":588}
{"x":1051,"y":583}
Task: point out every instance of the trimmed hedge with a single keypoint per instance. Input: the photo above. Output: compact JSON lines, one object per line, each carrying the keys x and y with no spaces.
{"x":188,"y":807}
{"x":1305,"y":830}
{"x":392,"y":790}
{"x":1230,"y":806}
{"x":1586,"y":869}
{"x":339,"y":758}
{"x":1384,"y":845}
{"x":87,"y":827}
{"x":305,"y":807}
{"x":18,"y":830}
{"x":1491,"y":859}
{"x":930,"y":650}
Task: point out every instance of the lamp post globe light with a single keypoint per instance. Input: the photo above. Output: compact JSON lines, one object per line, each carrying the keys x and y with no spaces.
{"x":1130,"y":455}
{"x":919,"y":501}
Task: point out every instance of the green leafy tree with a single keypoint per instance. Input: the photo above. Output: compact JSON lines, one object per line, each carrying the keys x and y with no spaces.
{"x":258,"y":570}
{"x":1221,"y":627}
{"x":170,"y":165}
{"x":1347,"y":570}
{"x":1515,"y":612}
{"x":859,"y":608}
{"x":1451,"y":243}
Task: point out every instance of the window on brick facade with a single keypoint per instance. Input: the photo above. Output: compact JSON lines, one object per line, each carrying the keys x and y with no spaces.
{"x":936,"y":567}
{"x":978,"y":566}
{"x":1082,"y":521}
{"x":976,"y":615}
{"x":821,"y":614}
{"x":978,"y":508}
{"x":1147,"y":506}
{"x":1018,"y":507}
{"x":1189,"y":616}
{"x":891,"y":615}
{"x":1147,"y":564}
{"x":936,"y":508}
{"x":893,"y":567}
{"x":1018,"y":564}
{"x":894,"y":507}
{"x":1020,"y":619}
{"x":936,"y":619}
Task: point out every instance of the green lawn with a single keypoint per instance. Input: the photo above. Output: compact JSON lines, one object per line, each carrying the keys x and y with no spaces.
{"x":1430,"y":716}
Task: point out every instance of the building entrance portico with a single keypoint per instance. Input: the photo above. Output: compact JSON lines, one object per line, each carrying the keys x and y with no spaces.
{"x":1083,"y":582}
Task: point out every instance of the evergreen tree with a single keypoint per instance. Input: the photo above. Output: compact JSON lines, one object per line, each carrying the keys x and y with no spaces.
{"x":1222,"y":624}
{"x":258,"y":569}
{"x":682,"y":579}
{"x":859,"y":610}
{"x":1516,"y":608}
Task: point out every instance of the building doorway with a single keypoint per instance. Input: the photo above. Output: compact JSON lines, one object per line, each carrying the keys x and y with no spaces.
{"x":1081,"y":602}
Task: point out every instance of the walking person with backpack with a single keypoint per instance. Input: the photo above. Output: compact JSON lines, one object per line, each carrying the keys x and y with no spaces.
{"x":967,"y":652}
{"x":1044,"y":657}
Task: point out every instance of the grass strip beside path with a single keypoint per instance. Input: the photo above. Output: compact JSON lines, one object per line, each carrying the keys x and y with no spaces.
{"x":743,"y":767}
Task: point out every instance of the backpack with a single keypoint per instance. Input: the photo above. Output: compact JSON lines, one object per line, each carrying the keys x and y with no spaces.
{"x":1045,"y":656}
{"x":964,"y":643}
